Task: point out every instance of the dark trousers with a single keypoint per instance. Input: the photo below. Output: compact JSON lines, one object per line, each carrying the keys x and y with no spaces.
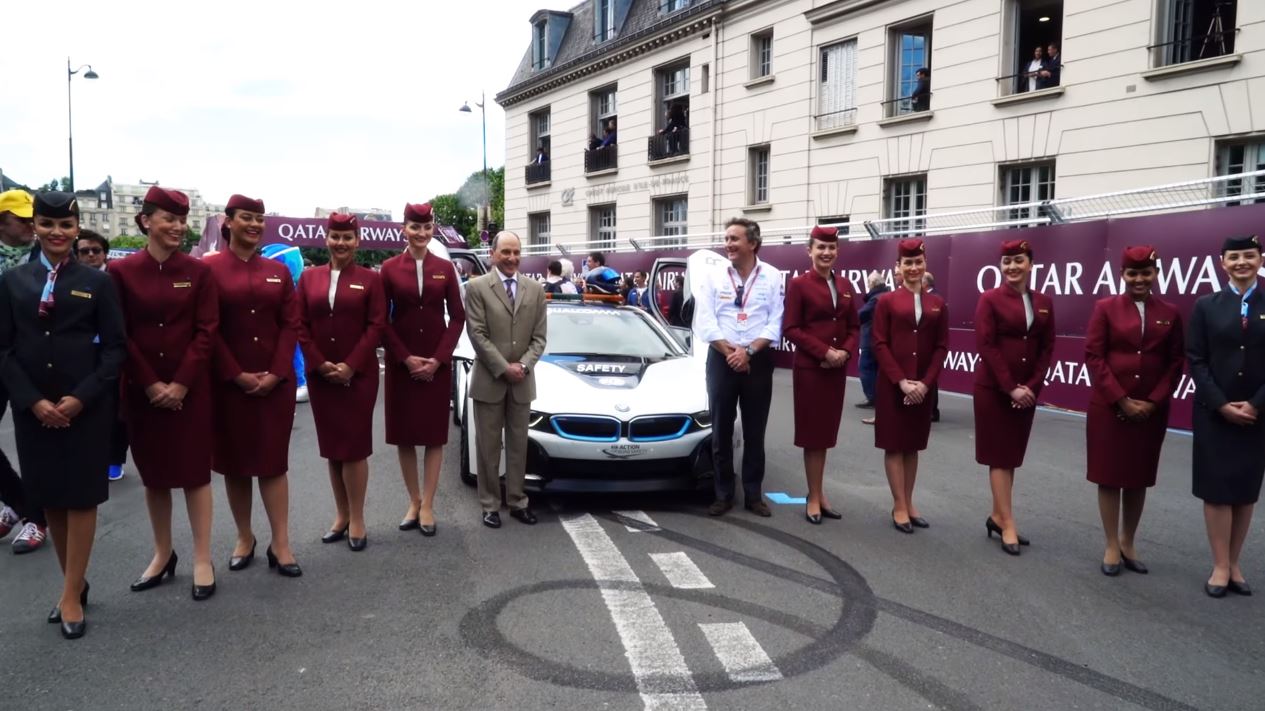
{"x":868,"y":367}
{"x":118,"y":443}
{"x":726,"y":390}
{"x":12,"y":492}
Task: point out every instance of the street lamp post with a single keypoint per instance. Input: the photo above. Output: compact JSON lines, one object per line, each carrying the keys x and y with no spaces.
{"x":485,"y":214}
{"x":70,"y":124}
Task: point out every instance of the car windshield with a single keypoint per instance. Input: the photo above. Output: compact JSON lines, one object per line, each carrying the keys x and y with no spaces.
{"x":605,"y":331}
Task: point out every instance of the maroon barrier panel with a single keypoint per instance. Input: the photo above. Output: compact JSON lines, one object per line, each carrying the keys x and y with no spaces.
{"x":310,"y":232}
{"x":1075,"y":264}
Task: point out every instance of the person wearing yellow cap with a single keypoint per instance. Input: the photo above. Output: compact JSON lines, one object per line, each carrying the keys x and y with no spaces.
{"x":17,"y":235}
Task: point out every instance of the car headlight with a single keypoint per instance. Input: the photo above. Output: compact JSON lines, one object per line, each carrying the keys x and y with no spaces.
{"x":703,"y":419}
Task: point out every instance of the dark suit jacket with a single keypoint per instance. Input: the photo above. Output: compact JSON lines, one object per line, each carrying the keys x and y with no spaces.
{"x":1053,"y":65}
{"x":866,"y":314}
{"x":1227,"y":361}
{"x":921,"y":98}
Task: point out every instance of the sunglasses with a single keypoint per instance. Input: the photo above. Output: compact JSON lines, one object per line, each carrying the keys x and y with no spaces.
{"x":85,"y":251}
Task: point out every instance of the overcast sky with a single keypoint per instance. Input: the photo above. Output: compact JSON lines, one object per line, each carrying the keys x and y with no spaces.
{"x":302,"y":104}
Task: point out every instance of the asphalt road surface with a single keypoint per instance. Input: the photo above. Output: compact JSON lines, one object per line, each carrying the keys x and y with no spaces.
{"x":645,"y":602}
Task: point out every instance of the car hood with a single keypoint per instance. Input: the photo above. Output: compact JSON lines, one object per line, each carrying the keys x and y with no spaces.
{"x":621,"y":387}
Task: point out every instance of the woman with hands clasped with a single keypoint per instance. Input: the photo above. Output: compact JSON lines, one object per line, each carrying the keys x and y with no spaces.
{"x":910,"y":333}
{"x":1014,"y":333}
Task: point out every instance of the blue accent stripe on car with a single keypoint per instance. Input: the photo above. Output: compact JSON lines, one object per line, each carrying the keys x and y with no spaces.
{"x":566,"y":425}
{"x":684,"y":427}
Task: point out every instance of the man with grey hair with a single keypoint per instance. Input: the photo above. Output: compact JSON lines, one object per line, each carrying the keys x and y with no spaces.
{"x":739,"y":313}
{"x":506,"y":320}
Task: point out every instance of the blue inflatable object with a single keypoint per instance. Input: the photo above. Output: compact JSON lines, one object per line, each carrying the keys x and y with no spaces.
{"x":602,"y":280}
{"x":289,"y":255}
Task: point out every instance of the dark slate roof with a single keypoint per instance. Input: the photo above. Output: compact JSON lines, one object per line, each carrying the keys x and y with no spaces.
{"x":579,"y":44}
{"x":7,"y":183}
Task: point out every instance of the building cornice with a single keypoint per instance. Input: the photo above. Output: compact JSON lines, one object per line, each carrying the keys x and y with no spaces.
{"x":839,"y":9}
{"x":667,"y":31}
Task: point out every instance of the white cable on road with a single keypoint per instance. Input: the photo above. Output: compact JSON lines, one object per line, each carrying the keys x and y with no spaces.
{"x":658,"y":667}
{"x":739,"y":652}
{"x":681,"y":572}
{"x":640,"y":517}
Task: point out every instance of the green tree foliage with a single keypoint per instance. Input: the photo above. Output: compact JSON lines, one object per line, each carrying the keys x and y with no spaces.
{"x":128,"y":242}
{"x":450,"y":210}
{"x":63,"y":184}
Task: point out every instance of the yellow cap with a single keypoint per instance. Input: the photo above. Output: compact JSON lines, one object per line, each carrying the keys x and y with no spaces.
{"x":19,"y":202}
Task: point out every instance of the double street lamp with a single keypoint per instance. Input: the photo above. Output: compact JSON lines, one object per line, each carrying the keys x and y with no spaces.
{"x":485,"y":211}
{"x":70,"y":124}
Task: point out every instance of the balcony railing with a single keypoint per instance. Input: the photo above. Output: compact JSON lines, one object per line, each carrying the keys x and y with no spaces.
{"x":906,"y":105}
{"x":836,"y":119}
{"x":1214,"y":44}
{"x":538,"y":173}
{"x":669,"y":145}
{"x":600,"y":159}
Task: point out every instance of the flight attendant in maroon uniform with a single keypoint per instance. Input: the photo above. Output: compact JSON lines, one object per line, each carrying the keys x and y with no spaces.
{"x":911,"y":336}
{"x":1014,"y":332}
{"x":342,"y":312}
{"x":255,"y":384}
{"x":420,"y":289}
{"x":172,"y":313}
{"x":1135,"y":351}
{"x":820,"y":318}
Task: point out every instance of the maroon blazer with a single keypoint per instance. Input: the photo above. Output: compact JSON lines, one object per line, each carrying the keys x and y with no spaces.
{"x":905,"y":349}
{"x":1126,"y":362}
{"x":351,"y":331}
{"x":259,"y":316}
{"x":417,"y":320}
{"x":1012,"y":353}
{"x":814,"y":324}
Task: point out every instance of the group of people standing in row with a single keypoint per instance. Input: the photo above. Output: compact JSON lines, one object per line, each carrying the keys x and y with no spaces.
{"x":1136,"y":349}
{"x":200,"y":352}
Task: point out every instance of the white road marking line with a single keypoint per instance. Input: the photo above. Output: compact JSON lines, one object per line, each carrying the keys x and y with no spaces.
{"x":681,"y":572}
{"x":662,"y":677}
{"x":640,"y":517}
{"x":739,"y":652}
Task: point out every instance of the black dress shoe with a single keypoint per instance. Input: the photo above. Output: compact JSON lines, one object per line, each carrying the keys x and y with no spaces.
{"x":1136,"y":566}
{"x":831,"y":513}
{"x":1111,"y":570}
{"x":1239,"y":588}
{"x":408,"y":524}
{"x":204,"y":592}
{"x":867,"y":405}
{"x":74,"y":630}
{"x":1215,"y":590}
{"x":334,"y":536}
{"x":357,"y":544}
{"x":906,"y":527}
{"x":1010,"y":548}
{"x":167,"y":573}
{"x":54,"y":617}
{"x":525,"y":515}
{"x":242,"y":562}
{"x":813,"y":519}
{"x":286,"y":570}
{"x":991,"y":527}
{"x":720,"y":507}
{"x":758,"y":507}
{"x":919,"y":522}
{"x":428,"y":531}
{"x":492,"y":519}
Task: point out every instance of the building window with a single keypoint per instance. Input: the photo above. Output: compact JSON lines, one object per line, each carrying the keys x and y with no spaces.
{"x":1024,"y":185}
{"x":540,"y":47}
{"x":909,"y":85}
{"x":604,"y":110}
{"x":842,"y":222}
{"x":605,"y":18}
{"x":539,"y":122}
{"x":1031,"y":42}
{"x":1237,"y":158}
{"x":761,"y":54}
{"x":538,"y":234}
{"x":672,"y":126}
{"x":837,"y":102}
{"x":669,"y":6}
{"x":706,"y":83}
{"x":602,"y":226}
{"x":1194,"y":29}
{"x":905,"y":204}
{"x":758,"y":161}
{"x":671,"y":220}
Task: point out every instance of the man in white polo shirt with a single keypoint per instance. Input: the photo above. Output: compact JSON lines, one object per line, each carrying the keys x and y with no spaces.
{"x":739,"y":313}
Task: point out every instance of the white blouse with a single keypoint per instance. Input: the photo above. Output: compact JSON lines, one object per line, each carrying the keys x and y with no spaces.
{"x":333,"y":285}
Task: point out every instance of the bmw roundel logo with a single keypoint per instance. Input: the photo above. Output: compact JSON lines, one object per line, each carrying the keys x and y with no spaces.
{"x":621,"y":407}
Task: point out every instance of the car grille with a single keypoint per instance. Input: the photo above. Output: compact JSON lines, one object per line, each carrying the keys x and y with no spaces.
{"x":658,"y":428}
{"x":586,"y":429}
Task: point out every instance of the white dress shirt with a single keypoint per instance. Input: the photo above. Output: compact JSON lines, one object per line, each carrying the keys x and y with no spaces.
{"x":718,"y":318}
{"x":333,"y":284}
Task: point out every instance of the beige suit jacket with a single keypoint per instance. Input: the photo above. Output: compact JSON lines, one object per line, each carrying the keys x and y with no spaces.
{"x":502,"y":334}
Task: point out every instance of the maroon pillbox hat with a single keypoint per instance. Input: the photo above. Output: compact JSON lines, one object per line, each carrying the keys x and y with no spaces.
{"x":1016,"y":247}
{"x":418,"y":213}
{"x":241,"y":202}
{"x":911,"y":248}
{"x":1138,"y":257}
{"x":825,"y":234}
{"x":342,"y":223}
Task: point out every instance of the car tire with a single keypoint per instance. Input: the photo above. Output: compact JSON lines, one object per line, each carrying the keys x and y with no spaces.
{"x":463,"y":468}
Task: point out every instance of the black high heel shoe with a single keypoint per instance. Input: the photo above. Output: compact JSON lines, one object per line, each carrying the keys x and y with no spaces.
{"x":335,"y":536}
{"x":242,"y":562}
{"x":204,"y":592}
{"x":828,"y":512}
{"x":74,"y":630}
{"x":167,"y":573}
{"x":287,"y":570}
{"x":54,"y":617}
{"x":358,"y":544}
{"x":906,"y":527}
{"x":1010,"y":548}
{"x":1133,"y":564}
{"x":1239,"y":588}
{"x":814,"y":520}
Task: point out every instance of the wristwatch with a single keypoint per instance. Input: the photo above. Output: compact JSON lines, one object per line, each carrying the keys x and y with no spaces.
{"x":750,"y":351}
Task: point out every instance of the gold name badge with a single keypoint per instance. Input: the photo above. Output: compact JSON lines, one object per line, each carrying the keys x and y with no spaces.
{"x":80,"y":294}
{"x":181,"y":284}
{"x":356,"y":286}
{"x":272,"y":280}
{"x":438,"y":276}
{"x":1043,"y":311}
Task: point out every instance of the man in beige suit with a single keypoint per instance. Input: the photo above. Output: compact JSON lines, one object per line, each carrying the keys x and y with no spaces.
{"x":505,"y":317}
